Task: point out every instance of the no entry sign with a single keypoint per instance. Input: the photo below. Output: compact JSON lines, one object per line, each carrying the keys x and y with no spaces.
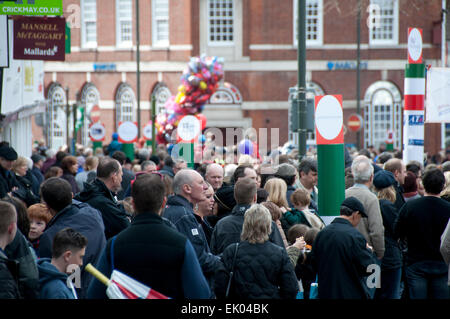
{"x":354,"y":122}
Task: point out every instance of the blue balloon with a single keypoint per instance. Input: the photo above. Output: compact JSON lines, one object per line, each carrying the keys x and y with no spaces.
{"x":245,"y":147}
{"x":202,"y":139}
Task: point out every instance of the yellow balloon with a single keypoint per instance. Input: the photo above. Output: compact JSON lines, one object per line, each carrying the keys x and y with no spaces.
{"x":178,"y":97}
{"x":203,"y":85}
{"x":182,"y":88}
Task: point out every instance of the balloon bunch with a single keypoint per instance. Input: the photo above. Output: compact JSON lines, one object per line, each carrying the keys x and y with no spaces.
{"x":199,"y":81}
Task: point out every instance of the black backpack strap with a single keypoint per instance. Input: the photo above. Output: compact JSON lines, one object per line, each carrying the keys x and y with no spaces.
{"x":232,"y":270}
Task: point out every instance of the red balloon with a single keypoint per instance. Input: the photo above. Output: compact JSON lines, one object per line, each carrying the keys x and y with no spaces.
{"x":202,"y":120}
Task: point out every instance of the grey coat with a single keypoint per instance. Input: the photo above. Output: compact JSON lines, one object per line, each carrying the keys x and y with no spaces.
{"x":371,"y":227}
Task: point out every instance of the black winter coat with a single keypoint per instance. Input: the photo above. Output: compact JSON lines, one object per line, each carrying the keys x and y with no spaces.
{"x":7,"y":182}
{"x":392,"y":258}
{"x":228,"y":231}
{"x":25,"y":191}
{"x":261,"y":271}
{"x":8,"y":278}
{"x":20,"y":250}
{"x":340,"y":256}
{"x":100,"y":197}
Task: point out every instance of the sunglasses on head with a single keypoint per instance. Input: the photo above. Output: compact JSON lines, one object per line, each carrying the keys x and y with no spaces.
{"x":146,"y":173}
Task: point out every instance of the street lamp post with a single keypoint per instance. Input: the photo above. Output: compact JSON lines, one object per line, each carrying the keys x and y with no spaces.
{"x":301,"y":78}
{"x":358,"y":70}
{"x":138,"y":71}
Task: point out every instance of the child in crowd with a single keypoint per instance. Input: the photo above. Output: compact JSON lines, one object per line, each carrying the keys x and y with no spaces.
{"x":304,"y":268}
{"x":39,"y":216}
{"x":68,"y":249}
{"x":301,"y":214}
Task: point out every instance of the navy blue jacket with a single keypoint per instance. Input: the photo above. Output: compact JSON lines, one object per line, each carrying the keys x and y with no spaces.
{"x":392,"y":258}
{"x":180,"y":212}
{"x":156,"y":255}
{"x":53,"y":283}
{"x":228,"y":230}
{"x":340,"y":257}
{"x":84,"y":219}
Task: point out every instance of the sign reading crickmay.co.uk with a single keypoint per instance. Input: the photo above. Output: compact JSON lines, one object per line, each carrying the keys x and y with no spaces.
{"x":32,"y":7}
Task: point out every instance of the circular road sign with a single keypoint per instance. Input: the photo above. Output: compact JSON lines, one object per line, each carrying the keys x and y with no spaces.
{"x":97,"y":132}
{"x":355,"y":122}
{"x":414,"y":45}
{"x":95,"y":113}
{"x":128,"y":132}
{"x":329,"y":117}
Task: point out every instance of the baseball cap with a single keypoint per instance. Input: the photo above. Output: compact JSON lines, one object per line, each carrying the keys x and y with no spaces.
{"x":355,"y":205}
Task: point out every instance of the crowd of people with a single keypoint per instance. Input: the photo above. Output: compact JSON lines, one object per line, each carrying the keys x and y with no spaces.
{"x":244,"y":229}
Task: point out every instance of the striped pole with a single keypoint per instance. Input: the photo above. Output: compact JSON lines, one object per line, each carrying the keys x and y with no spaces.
{"x":330,"y":155}
{"x":413,"y":114}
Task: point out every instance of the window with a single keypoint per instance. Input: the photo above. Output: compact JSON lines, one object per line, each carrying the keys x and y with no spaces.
{"x":125,"y":104}
{"x":56,"y":133}
{"x":162,"y":94}
{"x":220,"y":22}
{"x":124,"y":27}
{"x":382,"y":113}
{"x":314,"y":22}
{"x":383,"y":22}
{"x":160,"y":22}
{"x":89,"y":23}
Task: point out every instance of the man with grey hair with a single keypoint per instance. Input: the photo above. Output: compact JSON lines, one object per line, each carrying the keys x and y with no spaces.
{"x":371,"y":227}
{"x":214,"y":175}
{"x":189,"y":188}
{"x":148,"y":166}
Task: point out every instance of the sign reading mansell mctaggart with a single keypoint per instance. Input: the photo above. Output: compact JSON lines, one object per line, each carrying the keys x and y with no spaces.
{"x":38,"y":38}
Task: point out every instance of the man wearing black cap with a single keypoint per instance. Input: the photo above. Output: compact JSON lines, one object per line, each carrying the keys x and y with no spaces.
{"x":7,"y":180}
{"x":341,"y":255}
{"x":38,"y":161}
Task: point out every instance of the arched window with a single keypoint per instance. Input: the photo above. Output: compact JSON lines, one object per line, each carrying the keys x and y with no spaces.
{"x":226,"y":94}
{"x":89,"y":97}
{"x":56,"y":116}
{"x":162,"y":94}
{"x":125,"y":104}
{"x":382,"y":113}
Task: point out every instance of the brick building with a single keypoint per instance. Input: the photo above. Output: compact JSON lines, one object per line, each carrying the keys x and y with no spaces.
{"x":257,"y":40}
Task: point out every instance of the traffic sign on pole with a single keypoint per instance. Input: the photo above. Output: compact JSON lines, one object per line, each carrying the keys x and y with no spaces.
{"x":355,"y":122}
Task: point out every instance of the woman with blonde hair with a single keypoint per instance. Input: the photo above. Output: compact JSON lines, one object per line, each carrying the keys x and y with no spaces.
{"x":260,"y":268}
{"x":277,"y":189}
{"x":25,"y":187}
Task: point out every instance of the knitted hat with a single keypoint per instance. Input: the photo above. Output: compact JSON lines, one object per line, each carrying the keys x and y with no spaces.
{"x":224,"y":197}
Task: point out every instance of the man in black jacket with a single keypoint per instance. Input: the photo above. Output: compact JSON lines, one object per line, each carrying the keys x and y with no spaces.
{"x":101,"y":194}
{"x":398,"y":169}
{"x":8,"y":268}
{"x":228,"y":230}
{"x":57,"y":195}
{"x":189,"y":188}
{"x":341,"y":255}
{"x":127,"y":176}
{"x":421,"y":222}
{"x":7,"y":180}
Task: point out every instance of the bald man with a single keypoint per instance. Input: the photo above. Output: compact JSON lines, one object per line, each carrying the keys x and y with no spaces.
{"x":214,"y":175}
{"x":189,"y":188}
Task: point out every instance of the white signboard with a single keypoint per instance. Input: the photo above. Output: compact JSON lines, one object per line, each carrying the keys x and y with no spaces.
{"x":147,"y":132}
{"x":3,"y":41}
{"x":188,"y":128}
{"x":437,"y":95}
{"x":128,"y":132}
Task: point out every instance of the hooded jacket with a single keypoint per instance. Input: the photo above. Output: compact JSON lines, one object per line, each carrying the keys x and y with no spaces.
{"x":228,"y":230}
{"x":84,"y":219}
{"x":52,"y":282}
{"x":100,"y":197}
